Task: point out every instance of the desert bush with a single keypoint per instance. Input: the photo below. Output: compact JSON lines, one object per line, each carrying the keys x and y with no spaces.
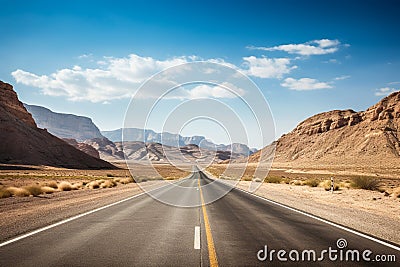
{"x":296,"y":182}
{"x":326,"y":184}
{"x":273,"y":180}
{"x":48,"y":189}
{"x":129,"y":180}
{"x":52,"y":184}
{"x":396,"y":192}
{"x":117,"y":180}
{"x":247,"y":178}
{"x":18,"y":192}
{"x":65,"y":186}
{"x":108,"y":184}
{"x":34,"y":190}
{"x":110,"y":175}
{"x":93,"y":184}
{"x":367,"y":183}
{"x":77,"y":186}
{"x":4,"y":193}
{"x":311,"y":182}
{"x":345,"y":184}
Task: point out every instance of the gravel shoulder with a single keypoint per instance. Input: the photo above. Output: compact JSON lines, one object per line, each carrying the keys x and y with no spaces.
{"x":367,"y":211}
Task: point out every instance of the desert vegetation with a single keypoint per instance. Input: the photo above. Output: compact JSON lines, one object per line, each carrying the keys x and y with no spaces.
{"x":388,"y":186}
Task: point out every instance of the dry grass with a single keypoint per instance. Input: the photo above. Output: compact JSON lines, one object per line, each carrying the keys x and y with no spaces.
{"x":126,"y":180}
{"x":367,"y":183}
{"x":48,"y":190}
{"x":34,"y":190}
{"x":77,"y":186}
{"x":326,"y":184}
{"x":18,"y":192}
{"x":273,"y":180}
{"x":65,"y":186}
{"x":108,"y":184}
{"x":311,"y":182}
{"x":93,"y":185}
{"x":396,"y":192}
{"x":52,"y":184}
{"x":4,"y":193}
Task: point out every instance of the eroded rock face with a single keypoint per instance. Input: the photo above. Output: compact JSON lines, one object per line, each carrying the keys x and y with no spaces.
{"x":24,"y":143}
{"x":344,"y":137}
{"x":88,"y":149}
{"x":64,"y":125}
{"x":10,"y":102}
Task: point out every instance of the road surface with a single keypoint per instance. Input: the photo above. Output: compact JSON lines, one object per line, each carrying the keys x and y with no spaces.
{"x":142,"y":231}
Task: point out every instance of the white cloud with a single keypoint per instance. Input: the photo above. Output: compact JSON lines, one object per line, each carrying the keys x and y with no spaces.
{"x":385,"y":91}
{"x":267,"y":67}
{"x":117,"y":78}
{"x":304,"y":84}
{"x":343,"y":77}
{"x":225,"y":90}
{"x":315,"y":47}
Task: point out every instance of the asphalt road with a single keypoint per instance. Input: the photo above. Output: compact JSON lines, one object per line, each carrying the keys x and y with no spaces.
{"x":229,"y":232}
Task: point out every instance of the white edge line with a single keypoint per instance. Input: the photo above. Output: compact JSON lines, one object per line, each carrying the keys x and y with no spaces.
{"x":318,"y":218}
{"x":197,"y":237}
{"x":73,"y":218}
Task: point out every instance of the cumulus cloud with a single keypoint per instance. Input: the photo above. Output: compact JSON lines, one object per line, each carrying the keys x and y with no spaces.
{"x":315,"y":47}
{"x":117,"y":78}
{"x":385,"y":91}
{"x":304,"y":84}
{"x":263,"y":67}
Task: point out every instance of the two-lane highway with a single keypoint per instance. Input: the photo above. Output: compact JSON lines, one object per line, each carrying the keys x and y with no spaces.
{"x":143,"y":231}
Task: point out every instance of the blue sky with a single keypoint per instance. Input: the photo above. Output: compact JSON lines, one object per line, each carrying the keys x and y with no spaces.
{"x":305,"y":56}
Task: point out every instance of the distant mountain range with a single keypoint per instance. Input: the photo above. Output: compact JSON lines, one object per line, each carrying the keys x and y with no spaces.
{"x":108,"y":144}
{"x":176,"y":140}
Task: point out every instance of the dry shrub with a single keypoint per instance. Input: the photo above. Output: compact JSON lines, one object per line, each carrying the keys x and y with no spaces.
{"x":396,"y":192}
{"x":4,"y":193}
{"x":48,"y":189}
{"x":65,"y":186}
{"x":345,"y":184}
{"x":126,"y":180}
{"x":326,"y":184}
{"x":93,"y":185}
{"x":18,"y":192}
{"x":52,"y":184}
{"x":296,"y":182}
{"x":117,"y":180}
{"x":311,"y":182}
{"x":34,"y":190}
{"x":247,"y":178}
{"x":273,"y":180}
{"x":77,"y":186}
{"x":367,"y":183}
{"x":108,"y":184}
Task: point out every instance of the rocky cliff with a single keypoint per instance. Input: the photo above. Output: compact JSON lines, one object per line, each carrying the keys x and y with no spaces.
{"x":343,"y":137}
{"x":24,"y":143}
{"x":64,"y":125}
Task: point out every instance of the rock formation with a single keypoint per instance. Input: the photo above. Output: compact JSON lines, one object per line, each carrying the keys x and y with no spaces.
{"x":24,"y":143}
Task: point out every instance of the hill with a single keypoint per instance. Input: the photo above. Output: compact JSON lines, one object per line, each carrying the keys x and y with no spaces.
{"x":342,"y":138}
{"x":24,"y":143}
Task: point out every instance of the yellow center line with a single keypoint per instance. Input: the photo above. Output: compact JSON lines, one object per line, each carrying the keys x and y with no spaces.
{"x":210,"y":242}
